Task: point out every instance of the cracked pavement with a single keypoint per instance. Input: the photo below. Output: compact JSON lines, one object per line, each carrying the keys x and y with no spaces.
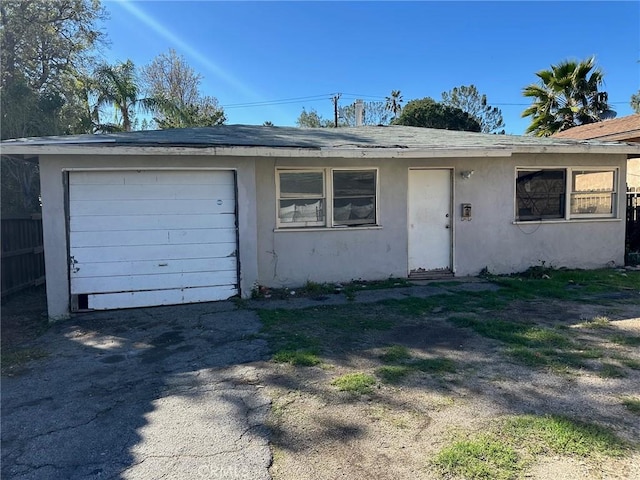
{"x":153,"y":393}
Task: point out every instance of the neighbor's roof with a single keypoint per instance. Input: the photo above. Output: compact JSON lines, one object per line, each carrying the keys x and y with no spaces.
{"x":253,"y":140}
{"x":617,"y":129}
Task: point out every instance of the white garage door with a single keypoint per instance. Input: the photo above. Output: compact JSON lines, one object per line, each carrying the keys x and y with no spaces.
{"x":143,"y":238}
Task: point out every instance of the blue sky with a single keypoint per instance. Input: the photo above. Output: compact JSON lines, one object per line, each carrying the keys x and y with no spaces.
{"x":277,"y":57}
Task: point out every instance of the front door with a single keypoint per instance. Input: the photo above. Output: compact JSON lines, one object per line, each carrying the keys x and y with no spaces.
{"x":430,"y":222}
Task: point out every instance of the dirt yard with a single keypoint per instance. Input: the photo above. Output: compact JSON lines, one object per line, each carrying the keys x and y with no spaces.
{"x":438,"y":379}
{"x":414,"y":382}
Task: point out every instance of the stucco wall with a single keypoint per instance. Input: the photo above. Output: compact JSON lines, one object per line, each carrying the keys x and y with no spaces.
{"x":491,"y":239}
{"x":54,"y":225}
{"x":277,"y":257}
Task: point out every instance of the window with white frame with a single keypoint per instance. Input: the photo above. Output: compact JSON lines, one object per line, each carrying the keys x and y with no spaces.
{"x":327,"y":197}
{"x":565,"y":193}
{"x":301,"y":198}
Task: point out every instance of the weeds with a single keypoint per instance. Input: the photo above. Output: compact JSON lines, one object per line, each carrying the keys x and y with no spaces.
{"x":357,"y":383}
{"x":508,"y":448}
{"x":632,"y":404}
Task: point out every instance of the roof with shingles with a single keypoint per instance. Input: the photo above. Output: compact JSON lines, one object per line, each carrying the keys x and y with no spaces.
{"x":329,"y":140}
{"x":617,"y":129}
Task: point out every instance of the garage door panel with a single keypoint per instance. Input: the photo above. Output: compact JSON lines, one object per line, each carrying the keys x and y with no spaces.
{"x":153,"y":237}
{"x":82,"y":255}
{"x":164,"y":281}
{"x":109,"y":301}
{"x":157,"y":266}
{"x":152,"y":207}
{"x":145,"y":177}
{"x":117,"y":223}
{"x":151,"y":192}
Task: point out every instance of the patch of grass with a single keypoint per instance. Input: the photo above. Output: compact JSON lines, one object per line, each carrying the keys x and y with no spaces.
{"x":630,"y":363}
{"x":596,"y":322}
{"x":514,"y":333}
{"x":11,"y":360}
{"x":507,"y":449}
{"x":610,"y":370}
{"x":393,"y":373}
{"x":484,"y":457}
{"x":626,"y":340}
{"x":434,"y":365}
{"x":314,"y":289}
{"x":532,"y":345}
{"x":395,"y":353}
{"x":563,"y":436}
{"x":358,"y":383}
{"x":565,"y":284}
{"x":298,"y":358}
{"x":632,"y":404}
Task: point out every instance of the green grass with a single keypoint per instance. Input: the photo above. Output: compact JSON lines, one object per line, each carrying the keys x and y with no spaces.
{"x":567,"y":284}
{"x":482,"y":458}
{"x":13,"y":359}
{"x":596,"y":322}
{"x":393,"y":373}
{"x":434,"y":365}
{"x":301,"y":358}
{"x":632,"y":404}
{"x":630,"y":363}
{"x":506,"y":449}
{"x":563,"y":436}
{"x":626,"y":340}
{"x":395,"y":353}
{"x":357,"y":383}
{"x":610,"y":370}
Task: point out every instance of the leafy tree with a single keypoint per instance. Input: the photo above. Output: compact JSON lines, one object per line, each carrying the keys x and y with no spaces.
{"x":428,"y":113}
{"x":44,"y":44}
{"x":394,"y":103}
{"x":375,"y":113}
{"x":468,"y":99}
{"x":635,"y":102}
{"x":175,"y":89}
{"x":312,"y":119}
{"x":567,"y":95}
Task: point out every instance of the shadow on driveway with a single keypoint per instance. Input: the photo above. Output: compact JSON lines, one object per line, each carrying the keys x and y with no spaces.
{"x":145,"y":393}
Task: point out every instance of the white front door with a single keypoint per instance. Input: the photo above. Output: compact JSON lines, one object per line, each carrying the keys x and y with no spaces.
{"x":430,"y":222}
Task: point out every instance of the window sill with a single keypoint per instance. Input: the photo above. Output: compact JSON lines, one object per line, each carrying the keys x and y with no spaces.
{"x":565,"y":221}
{"x":327,"y":229}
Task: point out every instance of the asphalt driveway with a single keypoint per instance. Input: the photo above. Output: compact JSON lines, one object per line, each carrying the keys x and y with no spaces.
{"x":164,"y":392}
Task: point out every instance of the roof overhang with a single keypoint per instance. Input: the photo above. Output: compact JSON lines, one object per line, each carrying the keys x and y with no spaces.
{"x":30,"y":150}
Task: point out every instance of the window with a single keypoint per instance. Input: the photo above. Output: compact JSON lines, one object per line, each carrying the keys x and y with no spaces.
{"x":565,"y":193}
{"x":540,"y":194}
{"x":354,"y":197}
{"x":301,"y":201}
{"x":326,"y":197}
{"x":593,"y":192}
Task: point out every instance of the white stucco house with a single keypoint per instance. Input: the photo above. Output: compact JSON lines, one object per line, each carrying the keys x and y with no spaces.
{"x":180,"y":216}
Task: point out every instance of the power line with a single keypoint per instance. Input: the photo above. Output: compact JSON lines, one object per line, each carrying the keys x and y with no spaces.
{"x":349,"y":96}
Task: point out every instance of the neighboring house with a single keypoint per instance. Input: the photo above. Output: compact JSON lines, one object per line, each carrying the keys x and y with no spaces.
{"x":624,"y":129}
{"x":179,"y":216}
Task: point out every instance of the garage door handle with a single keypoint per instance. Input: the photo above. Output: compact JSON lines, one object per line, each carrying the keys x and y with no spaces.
{"x":163,"y":264}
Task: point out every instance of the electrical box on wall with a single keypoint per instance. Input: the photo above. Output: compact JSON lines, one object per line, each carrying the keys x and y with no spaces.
{"x":466,"y":211}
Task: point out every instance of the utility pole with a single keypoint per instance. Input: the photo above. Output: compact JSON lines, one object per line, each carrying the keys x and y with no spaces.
{"x":335,"y":99}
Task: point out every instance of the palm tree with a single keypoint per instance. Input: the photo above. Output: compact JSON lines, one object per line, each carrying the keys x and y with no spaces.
{"x":117,"y":86}
{"x":566,"y":96}
{"x":393,"y":103}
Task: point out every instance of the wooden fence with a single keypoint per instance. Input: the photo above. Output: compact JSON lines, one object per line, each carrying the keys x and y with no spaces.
{"x":22,"y":253}
{"x":633,"y":221}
